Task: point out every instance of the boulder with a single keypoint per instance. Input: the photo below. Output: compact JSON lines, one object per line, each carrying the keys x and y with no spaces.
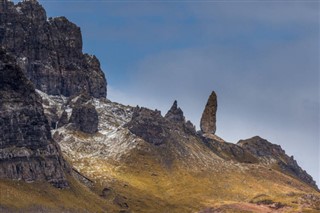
{"x":85,"y":118}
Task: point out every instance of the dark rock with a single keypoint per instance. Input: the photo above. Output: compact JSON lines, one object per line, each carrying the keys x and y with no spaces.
{"x":63,"y":120}
{"x":85,"y":118}
{"x":266,"y":151}
{"x":106,"y":192}
{"x":168,"y":139}
{"x":190,"y":127}
{"x":149,"y":125}
{"x":175,"y":114}
{"x":229,"y":151}
{"x":27,"y":149}
{"x":49,"y":51}
{"x":78,"y":100}
{"x":208,"y":119}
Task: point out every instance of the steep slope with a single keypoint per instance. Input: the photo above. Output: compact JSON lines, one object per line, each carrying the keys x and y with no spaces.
{"x":132,"y":157}
{"x":27,"y":149}
{"x":19,"y":196}
{"x":29,"y":153}
{"x":49,"y":51}
{"x":274,"y":156}
{"x":148,"y":163}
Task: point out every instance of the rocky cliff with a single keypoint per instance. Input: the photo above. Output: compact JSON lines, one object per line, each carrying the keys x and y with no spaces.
{"x":132,"y":156}
{"x":49,"y":51}
{"x":273,"y":154}
{"x":27,"y":149}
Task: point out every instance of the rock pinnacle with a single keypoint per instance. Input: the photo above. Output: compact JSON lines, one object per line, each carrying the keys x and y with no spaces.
{"x":208,"y":119}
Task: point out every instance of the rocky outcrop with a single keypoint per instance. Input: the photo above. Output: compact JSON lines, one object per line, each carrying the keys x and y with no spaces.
{"x":149,"y":125}
{"x":229,"y":151}
{"x":208,"y":119}
{"x":49,"y":51}
{"x":75,"y":113}
{"x":85,"y":118}
{"x":175,"y":115}
{"x":27,"y":149}
{"x":270,"y":153}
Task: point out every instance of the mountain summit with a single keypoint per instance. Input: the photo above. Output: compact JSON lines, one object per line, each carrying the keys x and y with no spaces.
{"x":49,"y":51}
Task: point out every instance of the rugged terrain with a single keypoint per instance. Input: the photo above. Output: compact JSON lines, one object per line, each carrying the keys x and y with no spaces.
{"x":153,"y":163}
{"x":49,"y":51}
{"x":99,"y":156}
{"x":27,"y":149}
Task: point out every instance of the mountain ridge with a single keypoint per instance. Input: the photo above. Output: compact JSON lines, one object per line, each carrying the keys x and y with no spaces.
{"x":127,"y":159}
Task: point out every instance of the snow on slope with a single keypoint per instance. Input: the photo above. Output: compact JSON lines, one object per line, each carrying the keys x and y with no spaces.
{"x":110,"y":142}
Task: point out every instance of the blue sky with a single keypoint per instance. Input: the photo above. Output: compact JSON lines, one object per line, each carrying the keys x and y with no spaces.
{"x":261,"y":57}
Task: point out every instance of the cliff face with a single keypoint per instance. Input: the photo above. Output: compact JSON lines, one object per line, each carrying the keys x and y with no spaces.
{"x":27,"y":149}
{"x":49,"y":51}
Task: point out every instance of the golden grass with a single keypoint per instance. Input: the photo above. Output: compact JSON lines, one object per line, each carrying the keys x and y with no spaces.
{"x":30,"y":197}
{"x":151,"y":187}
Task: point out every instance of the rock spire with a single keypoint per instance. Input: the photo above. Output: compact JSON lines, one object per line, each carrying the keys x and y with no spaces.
{"x":175,"y":113}
{"x":208,"y":119}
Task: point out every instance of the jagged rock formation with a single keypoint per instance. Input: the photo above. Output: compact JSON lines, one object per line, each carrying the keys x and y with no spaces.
{"x":49,"y":51}
{"x":229,"y":151}
{"x":149,"y":125}
{"x":208,"y":119}
{"x":270,"y":153}
{"x":155,"y":129}
{"x":76,"y":112}
{"x":175,"y":115}
{"x":138,"y":159}
{"x":27,"y":149}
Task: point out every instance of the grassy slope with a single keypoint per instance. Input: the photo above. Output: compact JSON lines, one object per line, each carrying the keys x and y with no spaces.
{"x":18,"y":196}
{"x":151,"y":187}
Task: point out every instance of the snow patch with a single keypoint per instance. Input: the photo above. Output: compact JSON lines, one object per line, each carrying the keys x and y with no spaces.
{"x":18,"y":9}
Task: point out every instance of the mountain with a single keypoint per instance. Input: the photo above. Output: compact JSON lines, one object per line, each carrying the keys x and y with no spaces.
{"x":160,"y":164}
{"x":27,"y":149}
{"x":49,"y":51}
{"x":34,"y":176}
{"x":58,"y":127}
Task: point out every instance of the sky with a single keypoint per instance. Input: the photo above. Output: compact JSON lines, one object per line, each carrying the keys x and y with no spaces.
{"x":260,"y":56}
